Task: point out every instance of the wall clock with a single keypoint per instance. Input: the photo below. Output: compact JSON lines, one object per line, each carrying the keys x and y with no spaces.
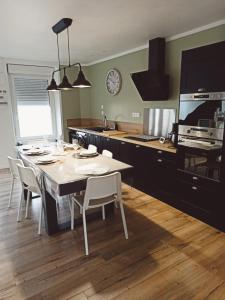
{"x":113,"y":82}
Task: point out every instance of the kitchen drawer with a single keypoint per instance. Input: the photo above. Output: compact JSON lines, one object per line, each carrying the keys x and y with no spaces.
{"x":162,"y":162}
{"x":165,"y":155}
{"x":198,"y":180}
{"x":197,"y":196}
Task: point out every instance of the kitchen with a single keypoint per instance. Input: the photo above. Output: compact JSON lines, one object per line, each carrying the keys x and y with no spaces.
{"x":176,"y":233}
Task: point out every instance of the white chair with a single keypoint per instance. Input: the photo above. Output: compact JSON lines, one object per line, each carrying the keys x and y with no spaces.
{"x":100,"y":191}
{"x":107,"y":153}
{"x":13,"y":162}
{"x":30,"y":183}
{"x":92,"y":147}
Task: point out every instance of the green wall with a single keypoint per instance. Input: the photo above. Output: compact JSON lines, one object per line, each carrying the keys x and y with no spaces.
{"x":70,"y":101}
{"x":87,"y":102}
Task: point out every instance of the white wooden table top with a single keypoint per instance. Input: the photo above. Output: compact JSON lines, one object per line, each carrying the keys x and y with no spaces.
{"x":66,"y":168}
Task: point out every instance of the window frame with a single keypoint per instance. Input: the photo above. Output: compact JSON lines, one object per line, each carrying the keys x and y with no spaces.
{"x":15,"y":110}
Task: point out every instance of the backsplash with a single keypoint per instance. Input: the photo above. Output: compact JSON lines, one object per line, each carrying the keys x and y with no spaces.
{"x":133,"y":128}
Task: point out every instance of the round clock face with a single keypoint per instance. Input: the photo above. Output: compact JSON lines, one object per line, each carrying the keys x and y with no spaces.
{"x":113,"y":81}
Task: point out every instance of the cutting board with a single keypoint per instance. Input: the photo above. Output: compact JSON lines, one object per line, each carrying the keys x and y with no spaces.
{"x":113,"y":132}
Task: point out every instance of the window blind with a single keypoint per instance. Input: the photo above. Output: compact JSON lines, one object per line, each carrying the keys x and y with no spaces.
{"x":31,"y":91}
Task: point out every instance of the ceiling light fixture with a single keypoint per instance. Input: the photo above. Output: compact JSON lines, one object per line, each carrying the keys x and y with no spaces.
{"x":81,"y":81}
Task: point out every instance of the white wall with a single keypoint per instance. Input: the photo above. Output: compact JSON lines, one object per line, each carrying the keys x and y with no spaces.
{"x":7,"y":138}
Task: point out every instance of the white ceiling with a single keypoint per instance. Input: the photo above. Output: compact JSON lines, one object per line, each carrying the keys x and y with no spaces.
{"x":101,"y":28}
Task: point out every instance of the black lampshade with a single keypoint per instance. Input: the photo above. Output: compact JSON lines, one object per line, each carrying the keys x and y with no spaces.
{"x":65,"y":85}
{"x":52,"y":86}
{"x":81,"y":81}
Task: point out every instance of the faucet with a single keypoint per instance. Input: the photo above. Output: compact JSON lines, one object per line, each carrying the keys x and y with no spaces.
{"x":105,"y":121}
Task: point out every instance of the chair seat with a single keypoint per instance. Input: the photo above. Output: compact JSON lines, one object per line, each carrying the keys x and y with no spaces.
{"x":94,"y":202}
{"x":33,"y":189}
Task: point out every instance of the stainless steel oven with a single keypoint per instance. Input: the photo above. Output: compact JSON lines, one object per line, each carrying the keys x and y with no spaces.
{"x":200,"y":157}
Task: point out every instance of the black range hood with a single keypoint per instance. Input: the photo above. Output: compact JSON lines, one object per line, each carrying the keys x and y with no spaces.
{"x":153,"y":84}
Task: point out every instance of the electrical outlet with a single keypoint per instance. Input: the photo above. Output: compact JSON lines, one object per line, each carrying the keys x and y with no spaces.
{"x":136,"y":115}
{"x":102,"y":107}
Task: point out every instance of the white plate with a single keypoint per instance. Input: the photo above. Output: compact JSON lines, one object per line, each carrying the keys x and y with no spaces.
{"x":87,"y":152}
{"x":92,"y":170}
{"x":34,"y":152}
{"x":46,"y":160}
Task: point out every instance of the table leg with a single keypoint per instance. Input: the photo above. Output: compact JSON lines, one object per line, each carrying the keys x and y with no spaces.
{"x":50,"y":212}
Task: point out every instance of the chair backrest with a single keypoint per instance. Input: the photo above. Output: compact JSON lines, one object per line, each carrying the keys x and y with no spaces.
{"x":92,"y":147}
{"x":29,"y":179}
{"x":107,"y":153}
{"x":13,"y":162}
{"x":101,"y":188}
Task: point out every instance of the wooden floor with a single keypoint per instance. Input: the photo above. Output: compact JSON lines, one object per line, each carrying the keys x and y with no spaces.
{"x":169,"y":255}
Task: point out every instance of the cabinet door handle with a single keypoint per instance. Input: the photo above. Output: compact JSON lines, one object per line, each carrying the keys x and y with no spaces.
{"x":159,"y":151}
{"x":195,"y":178}
{"x":137,"y":146}
{"x":108,"y":139}
{"x":122,"y":143}
{"x":194,"y":188}
{"x":159,"y":160}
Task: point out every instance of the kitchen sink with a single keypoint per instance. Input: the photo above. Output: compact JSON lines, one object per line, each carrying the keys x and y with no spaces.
{"x":98,"y":129}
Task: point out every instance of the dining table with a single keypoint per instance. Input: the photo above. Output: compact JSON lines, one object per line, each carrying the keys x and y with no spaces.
{"x":67,"y":174}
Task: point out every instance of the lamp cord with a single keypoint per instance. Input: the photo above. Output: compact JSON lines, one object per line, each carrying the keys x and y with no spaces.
{"x":68,"y":44}
{"x":58,"y":50}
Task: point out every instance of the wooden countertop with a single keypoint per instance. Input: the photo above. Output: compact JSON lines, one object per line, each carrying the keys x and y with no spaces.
{"x":168,"y":146}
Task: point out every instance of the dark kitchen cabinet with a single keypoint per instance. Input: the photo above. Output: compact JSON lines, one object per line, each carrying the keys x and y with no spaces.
{"x":126,"y":152}
{"x":199,"y":192}
{"x":198,"y":196}
{"x":164,"y":165}
{"x":203,"y":69}
{"x":95,"y":140}
{"x":143,"y":173}
{"x":111,"y":145}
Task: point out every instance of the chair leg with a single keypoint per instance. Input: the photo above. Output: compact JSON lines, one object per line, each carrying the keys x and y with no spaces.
{"x":103,"y":212}
{"x":27,"y":204}
{"x":11,"y":192}
{"x":70,"y":200}
{"x":20,"y":205}
{"x":40,"y":218}
{"x":72,"y":215}
{"x":123,"y":219}
{"x":85,"y":233}
{"x":57,"y":202}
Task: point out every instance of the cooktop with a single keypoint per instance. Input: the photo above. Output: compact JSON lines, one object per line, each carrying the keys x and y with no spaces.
{"x":142,"y":138}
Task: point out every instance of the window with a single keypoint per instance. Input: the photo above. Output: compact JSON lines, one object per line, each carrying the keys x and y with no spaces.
{"x":34,"y":113}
